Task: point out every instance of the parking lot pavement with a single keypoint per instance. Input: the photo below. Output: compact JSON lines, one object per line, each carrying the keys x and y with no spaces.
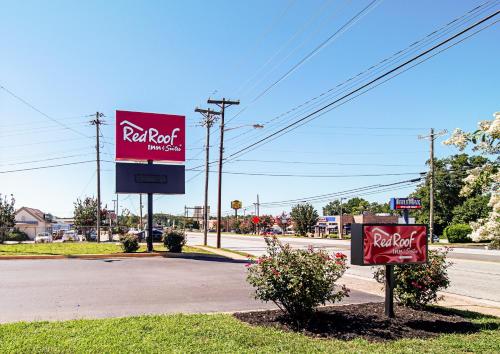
{"x":80,"y":288}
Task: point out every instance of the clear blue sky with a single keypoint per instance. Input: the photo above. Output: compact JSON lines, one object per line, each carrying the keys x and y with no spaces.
{"x":72,"y":58}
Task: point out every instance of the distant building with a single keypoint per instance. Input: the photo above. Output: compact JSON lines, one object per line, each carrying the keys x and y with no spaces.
{"x":33,"y":221}
{"x":328,"y":225}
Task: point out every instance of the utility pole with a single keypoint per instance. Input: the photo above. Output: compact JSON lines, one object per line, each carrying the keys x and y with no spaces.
{"x":341,"y":221}
{"x":431,"y":137}
{"x":140,"y":211}
{"x":257,"y":206}
{"x":209,"y":120}
{"x":222,"y":104}
{"x":117,"y":212}
{"x":114,"y":209}
{"x":97,"y":122}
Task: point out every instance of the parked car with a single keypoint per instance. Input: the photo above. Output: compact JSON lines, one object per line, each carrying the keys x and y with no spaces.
{"x":57,"y":235}
{"x":43,"y":237}
{"x":70,"y":235}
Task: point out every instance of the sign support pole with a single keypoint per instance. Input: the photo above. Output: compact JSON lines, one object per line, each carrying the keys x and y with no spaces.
{"x":389,"y":291}
{"x":150,"y":218}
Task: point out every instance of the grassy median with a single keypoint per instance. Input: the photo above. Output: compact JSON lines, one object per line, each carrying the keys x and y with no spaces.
{"x":216,"y":333}
{"x":75,"y":248}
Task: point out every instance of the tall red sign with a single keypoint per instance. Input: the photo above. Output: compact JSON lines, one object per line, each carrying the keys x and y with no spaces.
{"x":386,"y":244}
{"x":150,"y":136}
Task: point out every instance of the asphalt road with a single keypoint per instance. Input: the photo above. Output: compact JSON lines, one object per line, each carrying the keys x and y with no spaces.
{"x":474,"y":273}
{"x":78,"y":288}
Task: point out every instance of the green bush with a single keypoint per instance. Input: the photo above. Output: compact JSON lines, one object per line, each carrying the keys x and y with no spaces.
{"x":417,"y":284}
{"x":297,"y":280}
{"x":458,"y":233}
{"x":174,"y":241}
{"x":17,"y":235}
{"x":130,"y":243}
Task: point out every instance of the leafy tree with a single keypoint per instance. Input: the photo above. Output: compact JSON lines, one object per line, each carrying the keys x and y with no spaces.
{"x":355,"y":206}
{"x":449,"y":174}
{"x":472,"y":210}
{"x":332,"y":208}
{"x":85,"y":213}
{"x":167,"y":219}
{"x":7,"y":215}
{"x":128,"y":219}
{"x":304,"y":216}
{"x":266,"y":221}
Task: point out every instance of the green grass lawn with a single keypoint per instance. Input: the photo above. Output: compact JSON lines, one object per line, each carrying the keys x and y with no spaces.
{"x":70,"y":248}
{"x":215,"y":333}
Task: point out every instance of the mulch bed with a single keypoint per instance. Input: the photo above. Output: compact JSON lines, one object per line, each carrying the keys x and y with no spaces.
{"x":367,"y":321}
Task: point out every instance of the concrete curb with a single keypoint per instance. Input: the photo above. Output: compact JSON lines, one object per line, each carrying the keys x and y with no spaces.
{"x":223,"y":253}
{"x":115,"y":255}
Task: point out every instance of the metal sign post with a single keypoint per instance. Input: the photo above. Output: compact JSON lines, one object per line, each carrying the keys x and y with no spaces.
{"x":150,"y":218}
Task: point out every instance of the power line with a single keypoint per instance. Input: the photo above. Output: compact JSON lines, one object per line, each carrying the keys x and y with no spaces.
{"x":49,"y":166}
{"x":339,"y":193}
{"x":310,"y":176}
{"x":312,"y":19}
{"x":43,"y":160}
{"x":378,"y":78}
{"x":22,"y":100}
{"x":353,"y":80}
{"x":339,"y":31}
{"x":321,"y":163}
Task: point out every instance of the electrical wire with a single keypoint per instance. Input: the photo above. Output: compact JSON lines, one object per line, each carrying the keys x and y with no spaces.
{"x":380,"y":77}
{"x":22,"y":100}
{"x":352,"y":81}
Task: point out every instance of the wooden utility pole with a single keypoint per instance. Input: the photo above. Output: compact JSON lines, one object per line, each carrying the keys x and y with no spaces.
{"x":140,"y":211}
{"x":222,"y":104}
{"x":257,"y":206}
{"x":97,"y":122}
{"x":432,"y":136}
{"x":341,"y":221}
{"x":210,"y":117}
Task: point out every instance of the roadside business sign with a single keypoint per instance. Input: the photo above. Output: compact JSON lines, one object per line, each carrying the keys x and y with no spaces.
{"x":236,"y":204}
{"x":405,"y":203}
{"x":388,"y":244}
{"x":150,"y":136}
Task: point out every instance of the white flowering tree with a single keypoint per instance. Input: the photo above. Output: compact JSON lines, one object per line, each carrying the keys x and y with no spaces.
{"x":485,"y":140}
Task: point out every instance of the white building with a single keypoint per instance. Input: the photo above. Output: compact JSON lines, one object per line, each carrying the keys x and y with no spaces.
{"x":33,"y":221}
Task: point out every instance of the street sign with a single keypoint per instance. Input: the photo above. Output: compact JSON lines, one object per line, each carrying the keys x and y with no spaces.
{"x":255,"y":219}
{"x":405,"y":203}
{"x":387,"y":244}
{"x":150,"y":136}
{"x":146,"y":178}
{"x":236,"y":204}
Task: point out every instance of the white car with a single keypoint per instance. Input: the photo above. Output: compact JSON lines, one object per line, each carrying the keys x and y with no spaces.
{"x":43,"y":237}
{"x":70,"y":235}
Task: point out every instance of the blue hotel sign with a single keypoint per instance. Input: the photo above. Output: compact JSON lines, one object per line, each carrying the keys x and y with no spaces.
{"x":405,"y":203}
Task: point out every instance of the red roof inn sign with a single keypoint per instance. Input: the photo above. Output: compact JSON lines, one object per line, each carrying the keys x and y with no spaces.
{"x":150,"y":136}
{"x":386,"y":244}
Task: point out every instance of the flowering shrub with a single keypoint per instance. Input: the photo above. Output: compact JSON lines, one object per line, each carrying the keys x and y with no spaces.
{"x":416,"y":285}
{"x":174,"y":241}
{"x":130,"y":243}
{"x":297,"y":281}
{"x":486,"y":140}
